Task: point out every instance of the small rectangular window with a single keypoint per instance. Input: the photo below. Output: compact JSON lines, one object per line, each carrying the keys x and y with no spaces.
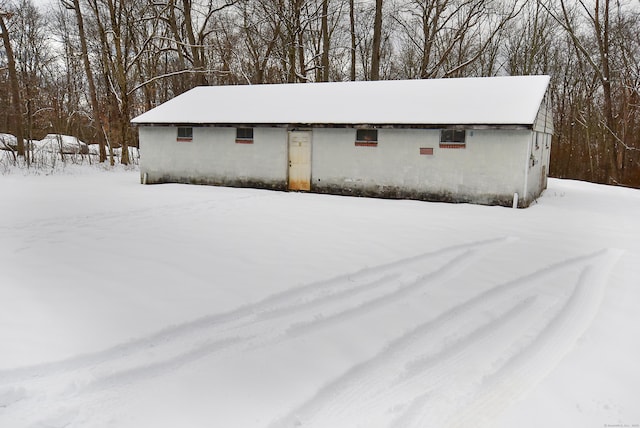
{"x":185,"y":134}
{"x":367,"y":137}
{"x":453,"y":138}
{"x":244,"y":135}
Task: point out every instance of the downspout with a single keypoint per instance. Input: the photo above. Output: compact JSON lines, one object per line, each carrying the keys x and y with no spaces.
{"x":525,"y":195}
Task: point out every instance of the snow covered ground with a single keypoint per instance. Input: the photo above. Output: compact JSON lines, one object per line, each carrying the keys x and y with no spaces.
{"x":124,"y":305}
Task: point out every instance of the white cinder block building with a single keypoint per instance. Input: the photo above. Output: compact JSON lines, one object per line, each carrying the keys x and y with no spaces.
{"x":479,"y":140}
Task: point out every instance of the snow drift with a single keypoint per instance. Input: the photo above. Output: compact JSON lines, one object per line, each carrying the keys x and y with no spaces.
{"x":58,"y":143}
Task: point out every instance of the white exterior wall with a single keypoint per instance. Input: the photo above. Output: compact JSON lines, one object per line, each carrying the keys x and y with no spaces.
{"x":214,"y":157}
{"x":489,"y":170}
{"x":544,"y":118}
{"x":540,"y":150}
{"x":495,"y":163}
{"x":539,"y":155}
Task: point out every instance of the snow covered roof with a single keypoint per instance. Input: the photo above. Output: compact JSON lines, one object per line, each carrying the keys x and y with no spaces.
{"x":506,"y":100}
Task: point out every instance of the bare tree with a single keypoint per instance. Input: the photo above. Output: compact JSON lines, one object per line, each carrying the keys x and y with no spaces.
{"x":450,"y":36}
{"x":261,"y":30}
{"x":325,"y":41}
{"x":352,"y":33}
{"x":528,"y":45}
{"x":596,"y":114}
{"x":596,"y":17}
{"x":377,"y":41}
{"x":15,"y":84}
{"x":93,"y":95}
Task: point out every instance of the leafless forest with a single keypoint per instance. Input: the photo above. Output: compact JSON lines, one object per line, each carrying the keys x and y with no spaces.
{"x":86,"y":67}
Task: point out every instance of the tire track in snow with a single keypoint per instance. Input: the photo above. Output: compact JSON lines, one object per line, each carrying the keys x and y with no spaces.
{"x":449,"y":378}
{"x":403,"y":291}
{"x":430,"y":382}
{"x":374,"y":378}
{"x":226,"y":324}
{"x":334,"y":290}
{"x":71,"y":380}
{"x":532,"y":364}
{"x":272,"y":332}
{"x":434,"y":367}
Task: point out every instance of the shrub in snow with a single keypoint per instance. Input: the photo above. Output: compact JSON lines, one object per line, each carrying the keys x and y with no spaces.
{"x":94,"y":149}
{"x":8,"y":142}
{"x":133,"y":152}
{"x":52,"y":152}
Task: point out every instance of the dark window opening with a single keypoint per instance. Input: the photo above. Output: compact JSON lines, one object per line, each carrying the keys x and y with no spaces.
{"x":453,"y":136}
{"x":185,"y":134}
{"x":367,"y":135}
{"x":244,"y":135}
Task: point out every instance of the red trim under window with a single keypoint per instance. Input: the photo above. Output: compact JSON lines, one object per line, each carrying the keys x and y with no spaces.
{"x":366,"y":144}
{"x":243,"y":141}
{"x":453,"y":145}
{"x":184,"y":139}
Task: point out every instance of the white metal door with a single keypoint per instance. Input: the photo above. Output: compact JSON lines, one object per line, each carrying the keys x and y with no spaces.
{"x":299,"y":160}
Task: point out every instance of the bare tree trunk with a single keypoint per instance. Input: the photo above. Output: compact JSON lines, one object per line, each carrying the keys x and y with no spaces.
{"x":352,"y":30}
{"x":121,"y":79}
{"x":325,"y":40}
{"x":299,"y":42}
{"x":197,"y":51}
{"x":93,"y":95}
{"x":15,"y":85}
{"x":602,"y":37}
{"x":431,"y":15}
{"x":173,"y":25}
{"x":377,"y":41}
{"x":106,"y":67}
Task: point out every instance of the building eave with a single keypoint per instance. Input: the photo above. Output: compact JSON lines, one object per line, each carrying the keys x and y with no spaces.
{"x":479,"y":126}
